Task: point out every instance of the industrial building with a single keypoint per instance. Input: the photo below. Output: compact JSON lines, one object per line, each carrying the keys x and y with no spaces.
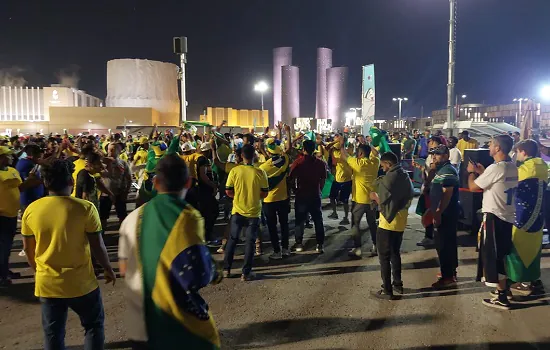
{"x":242,"y":118}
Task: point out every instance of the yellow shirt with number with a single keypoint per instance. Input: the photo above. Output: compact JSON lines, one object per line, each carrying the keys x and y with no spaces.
{"x":247,"y":182}
{"x":9,"y":192}
{"x":365,"y":172}
{"x":398,"y":224}
{"x":343,"y":170}
{"x":63,"y":261}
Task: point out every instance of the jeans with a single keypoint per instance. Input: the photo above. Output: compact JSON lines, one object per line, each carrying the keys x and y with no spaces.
{"x":8,"y":227}
{"x":272,"y":210}
{"x":357,"y":212}
{"x":446,"y":245}
{"x":429,"y":232}
{"x":252,"y":226}
{"x":105,"y":205}
{"x":209,"y":209}
{"x":389,"y":245}
{"x":302,"y":207}
{"x":89,"y":308}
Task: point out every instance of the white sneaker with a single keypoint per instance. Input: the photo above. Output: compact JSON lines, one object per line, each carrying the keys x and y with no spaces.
{"x":276,"y":256}
{"x":355,"y":253}
{"x":22,"y":253}
{"x":286,"y":252}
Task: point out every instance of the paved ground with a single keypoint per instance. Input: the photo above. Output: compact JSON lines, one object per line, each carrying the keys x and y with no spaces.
{"x":311,"y":301}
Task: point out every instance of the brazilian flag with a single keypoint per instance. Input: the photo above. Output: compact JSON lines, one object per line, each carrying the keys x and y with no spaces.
{"x":523,"y":264}
{"x":175,"y":265}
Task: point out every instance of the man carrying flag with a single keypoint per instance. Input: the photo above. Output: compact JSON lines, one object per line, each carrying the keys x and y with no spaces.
{"x":165,"y":262}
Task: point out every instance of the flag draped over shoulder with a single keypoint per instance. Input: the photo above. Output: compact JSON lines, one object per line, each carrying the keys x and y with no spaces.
{"x":523,"y":264}
{"x":175,"y":265}
{"x":276,"y":169}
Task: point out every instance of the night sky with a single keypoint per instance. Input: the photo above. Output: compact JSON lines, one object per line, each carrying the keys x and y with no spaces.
{"x":503,"y":46}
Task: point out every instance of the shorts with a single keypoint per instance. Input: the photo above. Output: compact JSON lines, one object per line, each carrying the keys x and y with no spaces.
{"x":495,"y":243}
{"x":340,"y":191}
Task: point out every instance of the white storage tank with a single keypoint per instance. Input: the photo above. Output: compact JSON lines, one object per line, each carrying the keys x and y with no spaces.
{"x":143,"y":83}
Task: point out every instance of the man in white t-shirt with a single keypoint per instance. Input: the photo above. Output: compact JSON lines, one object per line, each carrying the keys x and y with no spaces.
{"x":498,"y":182}
{"x":455,"y":157}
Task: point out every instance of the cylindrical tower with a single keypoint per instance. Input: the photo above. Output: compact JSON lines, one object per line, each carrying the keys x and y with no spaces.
{"x":290,"y":93}
{"x":337,"y":78}
{"x":282,"y":56}
{"x":324,"y":61}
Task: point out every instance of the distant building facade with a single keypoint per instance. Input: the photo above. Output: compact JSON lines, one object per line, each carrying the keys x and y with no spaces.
{"x":245,"y":118}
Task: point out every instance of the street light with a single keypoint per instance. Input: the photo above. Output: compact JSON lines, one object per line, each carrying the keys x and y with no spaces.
{"x":545,"y":92}
{"x":261,"y":87}
{"x":400,"y":100}
{"x":519,"y":101}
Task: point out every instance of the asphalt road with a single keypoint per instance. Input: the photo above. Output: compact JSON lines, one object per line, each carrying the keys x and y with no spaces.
{"x":311,"y":301}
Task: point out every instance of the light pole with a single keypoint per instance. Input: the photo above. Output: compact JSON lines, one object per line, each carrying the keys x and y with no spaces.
{"x":180,"y":48}
{"x":261,"y":87}
{"x":518,"y":114}
{"x":457,"y":105}
{"x":400,"y":100}
{"x":451,"y":73}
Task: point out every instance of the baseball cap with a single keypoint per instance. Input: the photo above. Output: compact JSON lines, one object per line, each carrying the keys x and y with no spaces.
{"x":440,"y":149}
{"x":5,"y":150}
{"x":205,"y":146}
{"x":187,"y":146}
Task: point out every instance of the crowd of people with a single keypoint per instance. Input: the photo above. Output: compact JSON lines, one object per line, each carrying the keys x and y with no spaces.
{"x":64,"y":188}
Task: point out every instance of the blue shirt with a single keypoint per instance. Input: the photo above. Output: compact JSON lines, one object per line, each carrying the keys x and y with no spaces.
{"x":24,"y":167}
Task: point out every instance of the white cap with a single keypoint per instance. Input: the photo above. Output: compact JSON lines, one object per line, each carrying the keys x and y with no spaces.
{"x":188,"y":146}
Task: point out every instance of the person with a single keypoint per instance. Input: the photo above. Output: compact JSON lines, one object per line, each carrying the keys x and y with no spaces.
{"x":365,"y":171}
{"x":308,"y":175}
{"x":396,"y":137}
{"x":444,"y":206}
{"x":466,"y":142}
{"x":455,"y":157}
{"x":207,"y":189}
{"x":11,"y":187}
{"x":409,"y":145}
{"x":523,"y":262}
{"x":140,"y":156}
{"x":277,"y":203}
{"x":517,"y":137}
{"x":118,"y":180}
{"x":393,"y":196}
{"x":58,"y":251}
{"x":165,"y":262}
{"x":191,"y":158}
{"x":423,"y":147}
{"x":341,"y":187}
{"x":498,"y":182}
{"x":247,"y":185}
{"x":86,"y":185}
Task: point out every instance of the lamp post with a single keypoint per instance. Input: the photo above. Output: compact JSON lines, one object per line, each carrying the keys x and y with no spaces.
{"x":457,"y":105}
{"x":518,"y":114}
{"x":261,"y":87}
{"x":400,"y":101}
{"x":451,"y":72}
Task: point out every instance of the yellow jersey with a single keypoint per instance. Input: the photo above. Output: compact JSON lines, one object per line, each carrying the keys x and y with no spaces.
{"x":63,"y":261}
{"x":247,"y":182}
{"x":398,"y":224}
{"x":191,"y":160}
{"x":463,"y":145}
{"x":9,"y":192}
{"x":277,"y":172}
{"x":343,"y":171}
{"x":365,"y":172}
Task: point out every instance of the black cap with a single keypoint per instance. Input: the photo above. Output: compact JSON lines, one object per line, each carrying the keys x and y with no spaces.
{"x":441,"y":149}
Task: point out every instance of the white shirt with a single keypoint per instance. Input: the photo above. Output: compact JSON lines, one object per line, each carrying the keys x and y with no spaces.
{"x":499,"y":182}
{"x":455,"y":157}
{"x":135,"y":315}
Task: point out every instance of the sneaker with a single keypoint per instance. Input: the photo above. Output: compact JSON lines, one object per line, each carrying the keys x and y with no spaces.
{"x":373,"y":251}
{"x":509,"y":295}
{"x":444,"y":283}
{"x":221,"y":250}
{"x":523,"y":289}
{"x":308,"y":225}
{"x":497,"y":303}
{"x":285,"y":252}
{"x":226,"y":274}
{"x":455,"y":277}
{"x":319,"y":249}
{"x":426,"y":242}
{"x":298,"y":247}
{"x":5,"y":282}
{"x":382,"y":294}
{"x":248,"y":277}
{"x":258,"y":251}
{"x":333,"y":216}
{"x":13,"y":275}
{"x":398,"y":288}
{"x":276,"y":256}
{"x":344,"y":221}
{"x":22,"y":253}
{"x":355,"y":253}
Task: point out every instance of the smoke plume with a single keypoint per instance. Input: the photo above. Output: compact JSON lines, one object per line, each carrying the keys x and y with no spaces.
{"x":69,"y":76}
{"x":12,"y":76}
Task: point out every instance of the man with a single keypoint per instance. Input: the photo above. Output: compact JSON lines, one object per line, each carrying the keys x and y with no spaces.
{"x":140,"y":157}
{"x":455,"y":157}
{"x":341,"y":187}
{"x":308,"y":175}
{"x":396,"y":137}
{"x":416,"y":137}
{"x":394,"y":195}
{"x":118,"y":180}
{"x":445,"y":207}
{"x":207,"y":189}
{"x":423,"y":147}
{"x":409,"y":144}
{"x":25,"y":166}
{"x":365,"y":171}
{"x":499,"y":183}
{"x":247,"y":185}
{"x":516,"y":136}
{"x":58,"y":250}
{"x":466,"y":142}
{"x":277,"y":202}
{"x":164,"y":260}
{"x":86,"y":186}
{"x":10,"y":187}
{"x":523,"y":262}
